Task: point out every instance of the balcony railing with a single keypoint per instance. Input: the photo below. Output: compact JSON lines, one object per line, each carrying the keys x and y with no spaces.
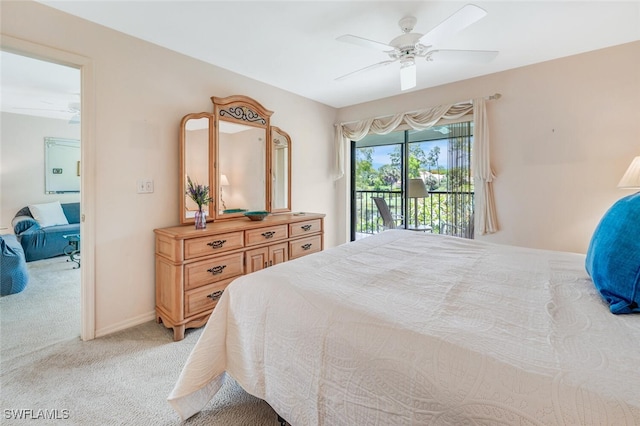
{"x":446,"y":212}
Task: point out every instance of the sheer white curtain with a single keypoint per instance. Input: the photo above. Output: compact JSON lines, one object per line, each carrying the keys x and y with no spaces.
{"x":486,"y":221}
{"x":485,"y":217}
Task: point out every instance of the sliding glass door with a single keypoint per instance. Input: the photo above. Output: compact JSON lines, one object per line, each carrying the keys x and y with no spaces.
{"x":423,"y":177}
{"x":376,"y":172}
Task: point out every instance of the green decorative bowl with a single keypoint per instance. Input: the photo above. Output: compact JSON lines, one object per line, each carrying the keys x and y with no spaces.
{"x":258,"y":215}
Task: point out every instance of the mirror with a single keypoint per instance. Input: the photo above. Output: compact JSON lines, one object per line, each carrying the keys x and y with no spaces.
{"x":61,"y":165}
{"x":241,"y":143}
{"x":242,"y":159}
{"x":245,"y":162}
{"x":280,"y":170}
{"x":195,"y":157}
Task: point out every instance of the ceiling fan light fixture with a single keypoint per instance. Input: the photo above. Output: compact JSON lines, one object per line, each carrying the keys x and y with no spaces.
{"x":407,"y":74}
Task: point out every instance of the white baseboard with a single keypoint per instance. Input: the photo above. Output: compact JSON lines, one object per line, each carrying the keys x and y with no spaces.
{"x":131,"y":322}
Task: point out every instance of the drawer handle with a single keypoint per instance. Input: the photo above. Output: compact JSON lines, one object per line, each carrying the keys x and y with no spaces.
{"x":268,"y":234}
{"x":215,"y":295}
{"x":306,"y":246}
{"x":216,"y":244}
{"x":305,"y":227}
{"x":217,"y":269}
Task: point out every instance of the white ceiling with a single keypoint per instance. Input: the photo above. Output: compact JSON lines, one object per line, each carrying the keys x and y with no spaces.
{"x":292,"y":44}
{"x":38,"y":88}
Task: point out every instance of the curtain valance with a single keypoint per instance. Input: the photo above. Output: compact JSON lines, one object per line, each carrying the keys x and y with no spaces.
{"x":485,"y":217}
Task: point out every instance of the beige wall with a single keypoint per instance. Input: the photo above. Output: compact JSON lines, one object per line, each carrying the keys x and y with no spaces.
{"x":562,"y":136}
{"x":22,"y":162}
{"x":141,"y":93}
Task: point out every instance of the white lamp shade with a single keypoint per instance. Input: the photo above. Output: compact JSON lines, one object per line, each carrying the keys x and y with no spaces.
{"x":417,"y":189}
{"x":631,"y":178}
{"x":223,"y":180}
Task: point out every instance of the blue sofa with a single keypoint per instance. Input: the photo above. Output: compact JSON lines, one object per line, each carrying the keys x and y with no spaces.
{"x":14,"y":275}
{"x":43,"y":243}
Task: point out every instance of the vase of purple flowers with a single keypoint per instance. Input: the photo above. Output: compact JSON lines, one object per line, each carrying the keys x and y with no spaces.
{"x":201,"y":219}
{"x":200,"y":195}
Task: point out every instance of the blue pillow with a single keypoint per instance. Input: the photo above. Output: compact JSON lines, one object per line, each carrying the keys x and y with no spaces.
{"x":72,"y":212}
{"x":613,"y":257}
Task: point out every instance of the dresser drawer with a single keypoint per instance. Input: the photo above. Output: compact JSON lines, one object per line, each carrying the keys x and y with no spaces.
{"x":265,"y":235}
{"x":203,"y":246}
{"x":304,"y":246}
{"x":212,"y":270}
{"x":204,"y":298}
{"x":302,"y":228}
{"x":194,"y":267}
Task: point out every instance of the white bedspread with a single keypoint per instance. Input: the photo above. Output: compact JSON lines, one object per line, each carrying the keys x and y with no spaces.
{"x":406,"y":328}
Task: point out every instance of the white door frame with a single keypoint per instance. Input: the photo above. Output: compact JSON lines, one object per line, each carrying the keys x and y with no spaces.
{"x":87,"y":172}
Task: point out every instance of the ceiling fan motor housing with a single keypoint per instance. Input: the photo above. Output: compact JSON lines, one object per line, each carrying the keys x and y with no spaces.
{"x":407,"y":45}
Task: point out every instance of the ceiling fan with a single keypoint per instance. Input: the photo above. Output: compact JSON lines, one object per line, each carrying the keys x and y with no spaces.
{"x":407,"y":47}
{"x":72,"y":108}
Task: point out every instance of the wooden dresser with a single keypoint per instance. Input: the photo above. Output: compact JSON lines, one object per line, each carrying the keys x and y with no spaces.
{"x":194,"y":266}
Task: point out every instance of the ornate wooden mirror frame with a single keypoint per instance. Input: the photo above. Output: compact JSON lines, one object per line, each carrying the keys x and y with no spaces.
{"x":280,"y":170}
{"x":196,"y":157}
{"x":245,"y":161}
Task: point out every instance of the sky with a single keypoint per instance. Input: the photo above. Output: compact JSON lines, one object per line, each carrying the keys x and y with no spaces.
{"x":381,"y":153}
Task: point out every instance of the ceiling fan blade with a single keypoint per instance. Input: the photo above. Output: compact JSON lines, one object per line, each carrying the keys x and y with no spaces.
{"x":407,"y":75}
{"x":368,"y":68}
{"x":364,"y":42}
{"x":44,"y":109}
{"x":478,"y":56}
{"x":453,"y":24}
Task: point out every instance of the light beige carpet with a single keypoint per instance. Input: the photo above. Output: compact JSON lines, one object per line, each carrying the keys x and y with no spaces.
{"x":46,"y":312}
{"x":120,"y":379}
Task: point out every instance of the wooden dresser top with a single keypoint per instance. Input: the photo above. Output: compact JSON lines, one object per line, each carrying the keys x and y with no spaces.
{"x":239,"y":224}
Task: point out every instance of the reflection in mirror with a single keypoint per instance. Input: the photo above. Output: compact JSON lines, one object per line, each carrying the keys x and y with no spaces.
{"x":280,"y":170}
{"x":62,"y":165}
{"x":241,"y":168}
{"x":241,"y":142}
{"x":195,"y":161}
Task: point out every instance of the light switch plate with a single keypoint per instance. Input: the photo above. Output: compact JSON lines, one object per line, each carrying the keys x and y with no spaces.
{"x":145,"y":186}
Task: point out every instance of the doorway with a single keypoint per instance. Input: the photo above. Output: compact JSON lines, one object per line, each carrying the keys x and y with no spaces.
{"x":85,"y":107}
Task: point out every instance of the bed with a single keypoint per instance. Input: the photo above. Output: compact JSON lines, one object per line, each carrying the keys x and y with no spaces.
{"x":409,"y":328}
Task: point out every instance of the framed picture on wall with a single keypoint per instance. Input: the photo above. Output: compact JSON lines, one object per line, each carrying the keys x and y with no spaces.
{"x":62,"y":165}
